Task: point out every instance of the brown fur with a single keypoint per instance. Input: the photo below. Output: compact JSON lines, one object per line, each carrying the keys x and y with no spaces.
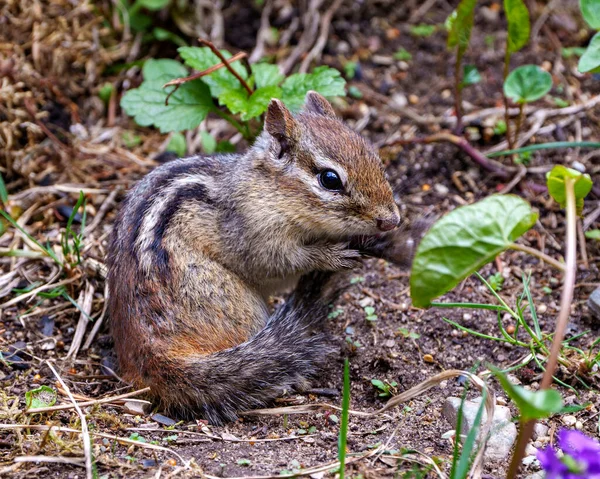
{"x":201,"y":243}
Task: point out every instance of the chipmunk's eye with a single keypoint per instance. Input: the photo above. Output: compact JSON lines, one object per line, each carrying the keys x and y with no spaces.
{"x":330,"y":180}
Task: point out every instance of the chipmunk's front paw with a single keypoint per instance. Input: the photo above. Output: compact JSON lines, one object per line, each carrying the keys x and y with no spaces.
{"x":340,"y":256}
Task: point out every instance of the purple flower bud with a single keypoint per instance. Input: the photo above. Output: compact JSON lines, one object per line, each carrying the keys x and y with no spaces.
{"x":581,"y":457}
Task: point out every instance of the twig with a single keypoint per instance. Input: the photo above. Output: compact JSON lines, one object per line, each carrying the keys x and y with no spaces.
{"x":35,"y":291}
{"x":86,"y":298}
{"x":93,"y":402}
{"x":515,"y":181}
{"x":422,"y":10}
{"x":75,"y":461}
{"x":98,"y":321}
{"x":177,"y":82}
{"x":582,"y":245}
{"x":538,"y":254}
{"x":87,"y":445}
{"x":226,"y":62}
{"x":311,"y":24}
{"x":263,"y":33}
{"x":29,"y":106}
{"x":106,"y":205}
{"x":317,"y":49}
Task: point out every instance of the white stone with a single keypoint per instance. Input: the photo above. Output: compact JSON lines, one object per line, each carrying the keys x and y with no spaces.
{"x":569,"y":420}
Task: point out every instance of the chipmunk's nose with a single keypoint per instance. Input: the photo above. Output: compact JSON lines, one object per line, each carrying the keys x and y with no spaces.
{"x":388,"y":223}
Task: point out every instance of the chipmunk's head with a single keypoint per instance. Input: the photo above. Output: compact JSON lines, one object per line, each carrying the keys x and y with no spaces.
{"x":334,"y":177}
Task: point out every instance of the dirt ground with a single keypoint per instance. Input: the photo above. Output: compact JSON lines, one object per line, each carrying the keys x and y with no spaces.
{"x":56,"y":131}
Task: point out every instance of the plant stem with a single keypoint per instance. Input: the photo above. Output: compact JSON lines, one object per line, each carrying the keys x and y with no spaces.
{"x":519,"y":122}
{"x":343,"y":438}
{"x":458,"y":90}
{"x":561,"y":323}
{"x":511,"y":144}
{"x":537,"y":253}
{"x":237,"y":125}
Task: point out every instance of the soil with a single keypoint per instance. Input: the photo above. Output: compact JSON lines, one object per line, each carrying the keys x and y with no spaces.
{"x":84,"y":145}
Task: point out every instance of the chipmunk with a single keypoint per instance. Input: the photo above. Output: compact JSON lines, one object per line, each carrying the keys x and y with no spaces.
{"x":201,"y":243}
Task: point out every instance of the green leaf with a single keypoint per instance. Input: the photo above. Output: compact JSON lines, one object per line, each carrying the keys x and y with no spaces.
{"x":324,"y":80}
{"x":463,"y":241}
{"x":531,"y":404}
{"x":590,"y":59}
{"x":517,"y":17}
{"x":460,"y":24}
{"x":43,"y":396}
{"x":379,"y":384}
{"x":259,"y":101}
{"x":152,"y":4}
{"x":106,"y":92}
{"x":177,"y":144}
{"x":156,"y":69}
{"x":527,"y":83}
{"x":593,"y":234}
{"x":590,"y":9}
{"x":569,"y":52}
{"x":555,"y":180}
{"x":209,"y":144}
{"x":422,"y":30}
{"x":402,"y":54}
{"x":266,"y":75}
{"x":220,"y":81}
{"x":186,"y":109}
{"x":470,"y":75}
{"x":163,"y":35}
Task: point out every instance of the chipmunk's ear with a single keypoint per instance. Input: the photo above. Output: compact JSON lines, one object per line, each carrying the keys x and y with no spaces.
{"x":280,"y":124}
{"x":315,"y":103}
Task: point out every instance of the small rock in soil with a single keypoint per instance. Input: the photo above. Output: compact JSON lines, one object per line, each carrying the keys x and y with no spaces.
{"x":136,"y":407}
{"x":569,"y":420}
{"x":540,"y":430}
{"x":164,"y":420}
{"x":503,"y":433}
{"x":594,"y":303}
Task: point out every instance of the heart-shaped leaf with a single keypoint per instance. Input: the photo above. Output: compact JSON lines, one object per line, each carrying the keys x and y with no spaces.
{"x":527,"y":83}
{"x":43,"y":396}
{"x":517,"y":17}
{"x":590,"y":60}
{"x":531,"y":404}
{"x":555,"y":180}
{"x":590,"y":9}
{"x":463,"y":241}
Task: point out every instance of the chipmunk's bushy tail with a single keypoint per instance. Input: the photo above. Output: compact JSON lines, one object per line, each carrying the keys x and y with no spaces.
{"x":283,"y":355}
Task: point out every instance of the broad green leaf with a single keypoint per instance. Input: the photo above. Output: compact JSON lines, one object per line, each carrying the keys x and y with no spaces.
{"x":590,"y":60}
{"x":154,"y":69}
{"x":527,"y":83}
{"x":470,"y":75}
{"x":219,"y":81}
{"x":531,"y":404}
{"x":266,"y":75}
{"x":324,"y":80}
{"x":43,"y":396}
{"x":460,"y":24}
{"x":238,"y":101}
{"x":177,"y":144}
{"x":590,"y":9}
{"x":555,"y":180}
{"x":186,"y":109}
{"x":593,"y":234}
{"x":152,"y":4}
{"x":517,"y":17}
{"x":463,"y":241}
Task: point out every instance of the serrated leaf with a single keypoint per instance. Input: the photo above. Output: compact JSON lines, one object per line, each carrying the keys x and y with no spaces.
{"x":186,"y":109}
{"x":519,"y":27}
{"x":463,"y":241}
{"x":155,"y":69}
{"x":460,"y":24}
{"x":266,"y":75}
{"x":590,"y":9}
{"x":555,"y":180}
{"x":324,"y":80}
{"x":177,"y":144}
{"x":527,"y":83}
{"x":220,"y":81}
{"x":43,"y":396}
{"x":590,"y":60}
{"x":531,"y":404}
{"x":259,"y":101}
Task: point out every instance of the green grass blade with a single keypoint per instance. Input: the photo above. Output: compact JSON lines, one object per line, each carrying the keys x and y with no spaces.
{"x":536,"y":323}
{"x":48,"y":251}
{"x":492,"y":307}
{"x":546,"y":146}
{"x":475,"y":333}
{"x":469,"y":446}
{"x":3,"y":192}
{"x":343,"y":437}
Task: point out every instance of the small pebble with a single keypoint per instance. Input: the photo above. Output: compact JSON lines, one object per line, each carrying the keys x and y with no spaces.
{"x":546,"y":65}
{"x":530,"y":450}
{"x":446,"y":94}
{"x":500,"y":401}
{"x":569,"y":420}
{"x":579,"y":425}
{"x":413,"y":99}
{"x":576,"y":165}
{"x":428,"y":358}
{"x":510,"y":329}
{"x":542,"y":308}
